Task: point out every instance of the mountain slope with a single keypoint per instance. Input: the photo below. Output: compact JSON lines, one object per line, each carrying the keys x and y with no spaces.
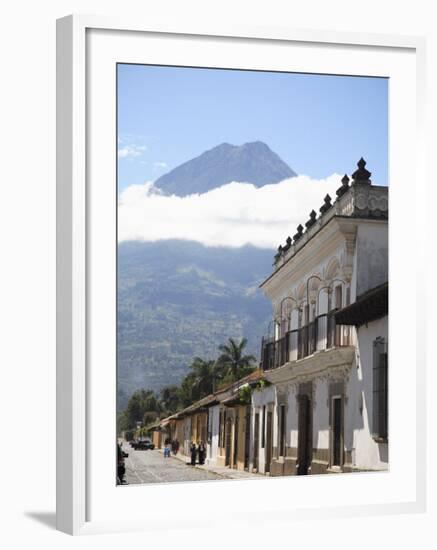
{"x":252,"y":162}
{"x":178,"y":299}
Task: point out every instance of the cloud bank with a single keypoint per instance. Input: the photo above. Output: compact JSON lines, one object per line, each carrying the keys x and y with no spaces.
{"x":233,"y":215}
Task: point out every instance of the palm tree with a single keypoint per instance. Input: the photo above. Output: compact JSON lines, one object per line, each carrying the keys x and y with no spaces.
{"x":232,"y":361}
{"x":204,"y":375}
{"x":169,"y":398}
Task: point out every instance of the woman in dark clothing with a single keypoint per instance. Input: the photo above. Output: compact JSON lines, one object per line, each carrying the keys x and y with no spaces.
{"x":193,"y":452}
{"x":202,"y":452}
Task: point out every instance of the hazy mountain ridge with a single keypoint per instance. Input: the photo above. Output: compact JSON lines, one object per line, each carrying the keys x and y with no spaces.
{"x":252,"y":162}
{"x":178,"y":299}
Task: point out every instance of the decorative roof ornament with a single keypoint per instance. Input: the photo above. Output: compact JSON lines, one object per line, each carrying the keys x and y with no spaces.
{"x":278,"y":253}
{"x":288,"y":244}
{"x":327,"y":205}
{"x":361,"y":175}
{"x":344,"y":186}
{"x":299,"y":233}
{"x":312,"y":219}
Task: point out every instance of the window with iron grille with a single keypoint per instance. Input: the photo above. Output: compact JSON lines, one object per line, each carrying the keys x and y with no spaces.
{"x":338,"y":297}
{"x":380,"y":390}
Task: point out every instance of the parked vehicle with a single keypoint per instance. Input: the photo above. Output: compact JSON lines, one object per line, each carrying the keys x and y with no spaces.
{"x":143,"y":444}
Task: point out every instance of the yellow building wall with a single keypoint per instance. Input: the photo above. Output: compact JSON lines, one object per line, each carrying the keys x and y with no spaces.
{"x":179,"y":432}
{"x":156,"y":439}
{"x":241,"y":437}
{"x":199,"y":427}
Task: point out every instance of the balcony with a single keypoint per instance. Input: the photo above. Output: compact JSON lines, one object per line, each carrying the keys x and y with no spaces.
{"x":321,"y":334}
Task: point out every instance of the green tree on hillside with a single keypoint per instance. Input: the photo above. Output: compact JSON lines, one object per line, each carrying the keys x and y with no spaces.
{"x":170,"y":399}
{"x":233,"y":363}
{"x":140,"y":402}
{"x":149,"y":417}
{"x":187,"y":392}
{"x":205,"y":375}
{"x":203,"y":378}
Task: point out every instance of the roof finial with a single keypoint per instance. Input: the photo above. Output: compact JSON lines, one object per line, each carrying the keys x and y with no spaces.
{"x":278,"y":253}
{"x":299,"y":233}
{"x":361,"y":175}
{"x":287,"y":245}
{"x":344,"y":186}
{"x":326,"y":206}
{"x":312,"y":219}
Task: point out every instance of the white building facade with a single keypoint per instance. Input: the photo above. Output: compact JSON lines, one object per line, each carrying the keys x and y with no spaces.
{"x":212,"y":446}
{"x":325,"y":410}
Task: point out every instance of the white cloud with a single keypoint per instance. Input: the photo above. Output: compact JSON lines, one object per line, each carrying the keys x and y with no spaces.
{"x":160,"y":165}
{"x":232,"y":215}
{"x":131,"y":151}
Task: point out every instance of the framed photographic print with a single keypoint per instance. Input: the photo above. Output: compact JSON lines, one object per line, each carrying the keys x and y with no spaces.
{"x":232,"y":276}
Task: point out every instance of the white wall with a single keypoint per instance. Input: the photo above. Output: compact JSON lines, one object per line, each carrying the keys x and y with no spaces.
{"x":265,"y":397}
{"x":213,"y":429}
{"x":187,"y":435}
{"x":321,"y":416}
{"x":369,"y":454}
{"x":27,"y":221}
{"x":372,"y":256}
{"x":292,"y":420}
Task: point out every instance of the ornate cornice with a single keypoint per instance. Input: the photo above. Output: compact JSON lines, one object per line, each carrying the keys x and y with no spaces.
{"x":333,"y":364}
{"x":357,"y":201}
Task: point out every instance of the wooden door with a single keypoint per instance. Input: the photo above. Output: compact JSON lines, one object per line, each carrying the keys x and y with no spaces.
{"x":269,"y":440}
{"x":228,"y":430}
{"x":236,"y":429}
{"x":256,"y":442}
{"x":247,"y":438}
{"x":304,"y":435}
{"x":337,"y":431}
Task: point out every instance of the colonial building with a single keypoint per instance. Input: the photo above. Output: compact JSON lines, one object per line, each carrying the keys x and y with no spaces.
{"x":319,"y":402}
{"x":327,"y":412}
{"x":369,"y":314}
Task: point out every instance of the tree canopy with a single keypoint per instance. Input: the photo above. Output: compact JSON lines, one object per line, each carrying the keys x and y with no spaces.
{"x":232,"y":362}
{"x":204,"y":377}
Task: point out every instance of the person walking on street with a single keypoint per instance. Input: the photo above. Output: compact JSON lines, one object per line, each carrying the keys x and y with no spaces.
{"x":175,"y":446}
{"x":202,"y":452}
{"x":193,"y":451}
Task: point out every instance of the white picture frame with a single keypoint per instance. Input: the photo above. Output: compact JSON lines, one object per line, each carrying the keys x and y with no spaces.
{"x":75,"y":306}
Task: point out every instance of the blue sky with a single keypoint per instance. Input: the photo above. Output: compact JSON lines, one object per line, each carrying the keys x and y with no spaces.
{"x":319,"y":125}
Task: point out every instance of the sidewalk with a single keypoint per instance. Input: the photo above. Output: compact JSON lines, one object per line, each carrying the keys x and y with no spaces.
{"x":224,"y":472}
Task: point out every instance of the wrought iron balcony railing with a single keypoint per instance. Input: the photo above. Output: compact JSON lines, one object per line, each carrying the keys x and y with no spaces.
{"x":321,"y":334}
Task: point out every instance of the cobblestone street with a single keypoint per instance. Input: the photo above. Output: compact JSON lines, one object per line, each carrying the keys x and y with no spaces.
{"x":152,"y":467}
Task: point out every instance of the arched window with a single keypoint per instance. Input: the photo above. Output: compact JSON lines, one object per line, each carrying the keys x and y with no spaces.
{"x":338,"y":296}
{"x":332,"y":269}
